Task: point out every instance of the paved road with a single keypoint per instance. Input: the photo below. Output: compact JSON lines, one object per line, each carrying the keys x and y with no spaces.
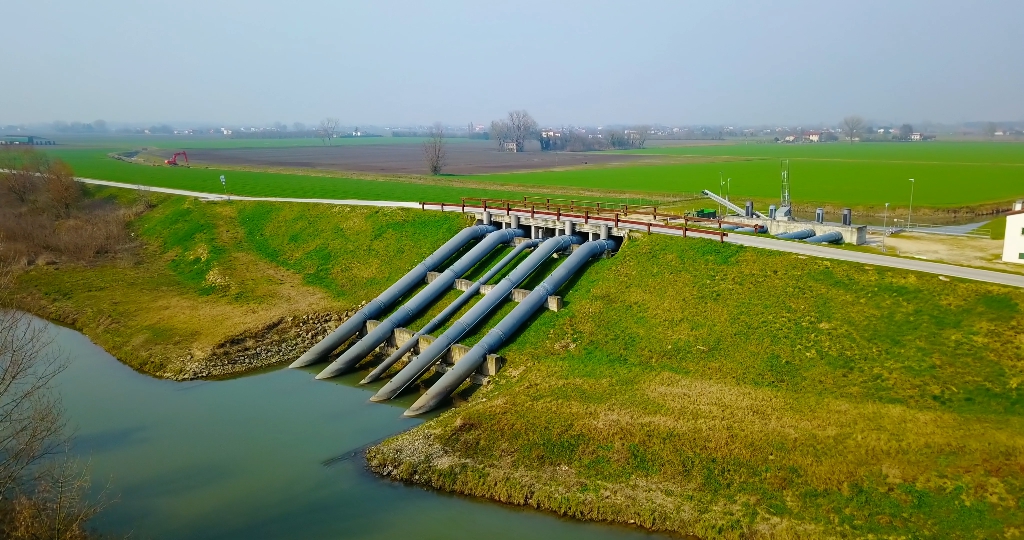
{"x":800,"y":248}
{"x":222,"y":197}
{"x":812,"y":250}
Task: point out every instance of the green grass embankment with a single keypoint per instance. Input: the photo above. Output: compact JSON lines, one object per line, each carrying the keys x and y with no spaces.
{"x":997,"y":228}
{"x":730,"y":392}
{"x":205,"y":272}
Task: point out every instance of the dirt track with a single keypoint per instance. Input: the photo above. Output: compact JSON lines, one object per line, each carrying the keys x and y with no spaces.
{"x":463,"y":158}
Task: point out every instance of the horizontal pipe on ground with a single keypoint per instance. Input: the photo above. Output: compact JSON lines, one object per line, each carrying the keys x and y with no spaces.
{"x":419,"y":365}
{"x":465,"y":367}
{"x":408,"y":311}
{"x":376,"y":306}
{"x":827,"y":238}
{"x":796,"y":235}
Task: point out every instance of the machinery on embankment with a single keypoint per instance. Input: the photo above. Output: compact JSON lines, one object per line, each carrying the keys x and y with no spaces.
{"x":577,"y":238}
{"x":783,"y":225}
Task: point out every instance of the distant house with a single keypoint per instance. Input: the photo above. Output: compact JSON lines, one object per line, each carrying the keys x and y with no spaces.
{"x":790,"y":138}
{"x":26,"y":140}
{"x":509,"y":146}
{"x":1013,"y":244}
{"x":812,"y":136}
{"x":916,"y":137}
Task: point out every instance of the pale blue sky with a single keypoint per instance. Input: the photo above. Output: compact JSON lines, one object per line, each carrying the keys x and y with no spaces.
{"x":583,"y":62}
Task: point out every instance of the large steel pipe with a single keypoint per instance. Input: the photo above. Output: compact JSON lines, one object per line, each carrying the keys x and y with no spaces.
{"x":796,"y":235}
{"x":352,"y":326}
{"x":418,"y":303}
{"x":465,"y":367}
{"x":452,"y":309}
{"x":834,"y":237}
{"x":419,"y":365}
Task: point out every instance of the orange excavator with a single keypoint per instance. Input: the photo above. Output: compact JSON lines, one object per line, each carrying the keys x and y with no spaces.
{"x":174,"y":159}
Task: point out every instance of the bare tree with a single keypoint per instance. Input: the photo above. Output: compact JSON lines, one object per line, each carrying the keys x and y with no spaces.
{"x":40,"y":497}
{"x":298,"y":126}
{"x":641,"y":135}
{"x":62,"y":189}
{"x":521,"y":126}
{"x":328,"y":129}
{"x":20,"y":169}
{"x":853,"y":126}
{"x":31,"y":420}
{"x":59,"y":506}
{"x":990,"y":129}
{"x":500,"y":132}
{"x":434,"y":150}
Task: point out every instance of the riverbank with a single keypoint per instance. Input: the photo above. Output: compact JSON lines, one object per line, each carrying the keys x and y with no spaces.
{"x":726,"y":392}
{"x":688,"y":386}
{"x":218,"y":288}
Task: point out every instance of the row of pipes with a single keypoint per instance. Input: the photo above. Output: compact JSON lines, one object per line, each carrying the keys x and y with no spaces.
{"x":489,"y":239}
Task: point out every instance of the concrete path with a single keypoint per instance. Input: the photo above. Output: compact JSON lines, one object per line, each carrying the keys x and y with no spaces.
{"x":222,"y":197}
{"x":812,"y":250}
{"x":763,"y":242}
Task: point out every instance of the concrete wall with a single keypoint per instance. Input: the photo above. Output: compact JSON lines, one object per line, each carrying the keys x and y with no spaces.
{"x":852,"y":234}
{"x":1013,"y":245}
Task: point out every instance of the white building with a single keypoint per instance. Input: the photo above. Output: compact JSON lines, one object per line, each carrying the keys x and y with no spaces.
{"x":1013,"y":245}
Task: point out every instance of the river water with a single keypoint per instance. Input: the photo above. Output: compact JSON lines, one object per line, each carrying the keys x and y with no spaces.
{"x":251,"y":457}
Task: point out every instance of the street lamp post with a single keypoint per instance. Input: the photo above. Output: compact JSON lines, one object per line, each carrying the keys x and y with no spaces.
{"x":911,"y":210}
{"x":885,"y":229}
{"x":720,"y":184}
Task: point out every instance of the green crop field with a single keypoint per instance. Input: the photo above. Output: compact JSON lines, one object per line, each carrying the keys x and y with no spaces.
{"x":946,"y":174}
{"x":93,"y":163}
{"x":865,"y":175}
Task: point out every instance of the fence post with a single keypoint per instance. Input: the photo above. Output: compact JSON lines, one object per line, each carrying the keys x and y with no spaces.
{"x":423,"y":206}
{"x":586,"y":217}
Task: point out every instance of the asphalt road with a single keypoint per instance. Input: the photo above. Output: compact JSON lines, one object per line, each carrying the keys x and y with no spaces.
{"x":800,"y":248}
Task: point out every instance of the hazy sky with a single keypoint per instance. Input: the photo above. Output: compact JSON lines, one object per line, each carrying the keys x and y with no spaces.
{"x":583,"y":62}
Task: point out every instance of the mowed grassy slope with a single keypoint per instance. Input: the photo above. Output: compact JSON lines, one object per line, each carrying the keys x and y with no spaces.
{"x":730,"y":392}
{"x":207,"y":271}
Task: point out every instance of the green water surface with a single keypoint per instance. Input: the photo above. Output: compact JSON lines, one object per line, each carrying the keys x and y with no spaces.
{"x":252,"y":458}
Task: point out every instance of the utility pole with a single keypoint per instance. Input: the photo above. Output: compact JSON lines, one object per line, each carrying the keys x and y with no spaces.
{"x":911,"y":211}
{"x":885,"y":229}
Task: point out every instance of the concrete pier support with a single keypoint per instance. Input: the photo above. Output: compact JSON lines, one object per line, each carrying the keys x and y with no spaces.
{"x":533,"y":231}
{"x":487,"y":218}
{"x":568,"y":227}
{"x":515,"y":222}
{"x":604,"y":232}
